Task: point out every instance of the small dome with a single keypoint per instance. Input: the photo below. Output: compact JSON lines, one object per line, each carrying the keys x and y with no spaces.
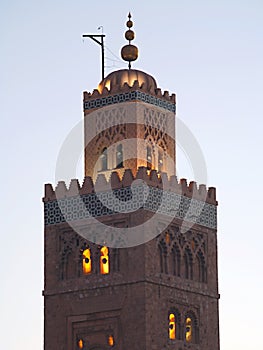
{"x":118,"y":78}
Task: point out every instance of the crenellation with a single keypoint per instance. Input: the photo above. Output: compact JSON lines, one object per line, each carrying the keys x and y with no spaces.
{"x":95,"y":94}
{"x":126,"y":87}
{"x":174,"y":185}
{"x":74,"y":188}
{"x":184,"y":187}
{"x":86,"y":95}
{"x":127,"y":178}
{"x":211,"y":195}
{"x":192,"y":187}
{"x":142,"y":174}
{"x":136,"y":84}
{"x":202,"y":189}
{"x":105,"y":91}
{"x":87,"y":186}
{"x":49,"y":193}
{"x":151,"y":178}
{"x":115,"y":180}
{"x":173,"y":98}
{"x":61,"y":190}
{"x":157,"y":92}
{"x":166,"y":95}
{"x":154,"y":177}
{"x":101,"y":183}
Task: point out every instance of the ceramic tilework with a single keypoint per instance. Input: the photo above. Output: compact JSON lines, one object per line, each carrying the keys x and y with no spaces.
{"x":126,"y":97}
{"x":130,"y":199}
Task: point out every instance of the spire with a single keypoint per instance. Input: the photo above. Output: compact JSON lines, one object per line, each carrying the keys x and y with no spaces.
{"x":129,"y":52}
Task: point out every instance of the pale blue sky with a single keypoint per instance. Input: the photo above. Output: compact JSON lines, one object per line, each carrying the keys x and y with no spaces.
{"x":210,"y":54}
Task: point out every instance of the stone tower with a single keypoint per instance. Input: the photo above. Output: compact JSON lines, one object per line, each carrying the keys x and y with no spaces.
{"x":131,"y":254}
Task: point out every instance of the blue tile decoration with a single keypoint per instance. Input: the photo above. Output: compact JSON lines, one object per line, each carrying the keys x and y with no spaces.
{"x":127,"y":200}
{"x":129,"y":96}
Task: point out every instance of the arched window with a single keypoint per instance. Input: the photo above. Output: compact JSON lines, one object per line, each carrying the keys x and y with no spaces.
{"x":70,"y":265}
{"x":80,"y":343}
{"x":104,"y":261}
{"x":172,"y":327}
{"x":149,"y":157}
{"x":191,"y":328}
{"x":188,"y":264}
{"x":174,"y":324}
{"x":86,"y":261}
{"x":175,"y":261}
{"x":163,"y":256}
{"x":160,"y":160}
{"x":115,"y":260}
{"x":104,"y":160}
{"x":201,"y":267}
{"x":110,"y":340}
{"x":119,"y":157}
{"x":188,"y":329}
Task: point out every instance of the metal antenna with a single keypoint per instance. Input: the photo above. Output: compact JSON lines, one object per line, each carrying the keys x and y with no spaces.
{"x":101,"y":43}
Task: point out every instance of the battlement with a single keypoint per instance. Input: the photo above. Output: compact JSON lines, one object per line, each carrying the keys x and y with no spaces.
{"x":151,"y":178}
{"x":157,"y":92}
{"x":127,"y":86}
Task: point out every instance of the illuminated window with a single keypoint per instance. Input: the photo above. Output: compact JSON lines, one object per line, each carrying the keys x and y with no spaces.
{"x":86,"y":262}
{"x":172,"y":327}
{"x":160,"y":160}
{"x":167,"y":238}
{"x":104,"y":159}
{"x":149,"y":158}
{"x":104,"y":261}
{"x":110,"y":340}
{"x":188,"y":329}
{"x":119,"y":157}
{"x":80,"y":344}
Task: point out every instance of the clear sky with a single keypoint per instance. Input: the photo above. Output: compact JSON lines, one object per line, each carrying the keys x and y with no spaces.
{"x":210,"y":54}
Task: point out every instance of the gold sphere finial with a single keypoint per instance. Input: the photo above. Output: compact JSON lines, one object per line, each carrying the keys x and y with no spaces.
{"x":129,"y":52}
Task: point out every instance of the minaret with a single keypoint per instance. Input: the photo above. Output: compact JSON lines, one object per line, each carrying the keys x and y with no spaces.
{"x":131,"y":253}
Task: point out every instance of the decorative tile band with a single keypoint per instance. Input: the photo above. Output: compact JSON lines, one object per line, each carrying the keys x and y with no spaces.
{"x":129,"y":96}
{"x":128,"y":200}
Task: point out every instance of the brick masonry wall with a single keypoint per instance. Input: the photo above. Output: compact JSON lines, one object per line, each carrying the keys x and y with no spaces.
{"x":133,"y":301}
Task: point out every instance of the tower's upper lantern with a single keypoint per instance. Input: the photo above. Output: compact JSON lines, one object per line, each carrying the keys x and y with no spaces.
{"x":120,"y":77}
{"x":129,"y":52}
{"x":129,"y":122}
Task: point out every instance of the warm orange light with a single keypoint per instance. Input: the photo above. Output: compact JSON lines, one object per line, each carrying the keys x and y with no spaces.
{"x":80,"y":344}
{"x":86,"y":262}
{"x":167,"y":238}
{"x":160,"y":160}
{"x":188,"y":330}
{"x":107,"y":84}
{"x":172,"y":329}
{"x":104,"y":261}
{"x":110,"y":340}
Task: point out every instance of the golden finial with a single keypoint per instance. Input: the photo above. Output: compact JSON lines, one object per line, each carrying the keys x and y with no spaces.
{"x":129,"y":52}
